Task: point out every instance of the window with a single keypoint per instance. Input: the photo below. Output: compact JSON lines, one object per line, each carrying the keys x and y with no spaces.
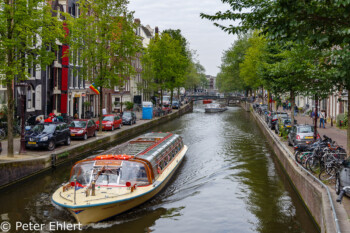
{"x":38,"y":99}
{"x":30,"y":97}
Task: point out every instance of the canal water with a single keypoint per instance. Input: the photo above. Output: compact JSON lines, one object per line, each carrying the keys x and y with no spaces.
{"x":230,"y":181}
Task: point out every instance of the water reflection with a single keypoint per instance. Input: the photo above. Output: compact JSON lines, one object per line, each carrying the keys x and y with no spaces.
{"x":228,"y":182}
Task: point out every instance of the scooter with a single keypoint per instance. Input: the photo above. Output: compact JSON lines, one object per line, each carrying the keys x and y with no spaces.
{"x":342,"y":182}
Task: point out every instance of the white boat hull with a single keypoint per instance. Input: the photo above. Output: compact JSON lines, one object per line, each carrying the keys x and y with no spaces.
{"x":212,"y":110}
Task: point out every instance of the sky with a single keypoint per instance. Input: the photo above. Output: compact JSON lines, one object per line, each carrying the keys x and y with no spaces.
{"x":208,"y":40}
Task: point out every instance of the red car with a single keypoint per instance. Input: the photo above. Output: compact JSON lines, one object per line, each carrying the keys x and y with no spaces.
{"x":110,"y":122}
{"x":82,"y":128}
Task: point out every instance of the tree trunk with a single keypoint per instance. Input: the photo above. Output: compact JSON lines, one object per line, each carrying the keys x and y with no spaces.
{"x":348,"y":127}
{"x":268,"y":100}
{"x":171,"y":96}
{"x":262,"y":95}
{"x":316,"y":116}
{"x":161,"y":98}
{"x":121,"y":104}
{"x":292,"y":100}
{"x":10,"y":111}
{"x":10,"y":76}
{"x":100,"y":117}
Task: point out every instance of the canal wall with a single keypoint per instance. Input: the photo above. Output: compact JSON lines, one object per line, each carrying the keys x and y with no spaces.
{"x":14,"y":171}
{"x":313,"y":194}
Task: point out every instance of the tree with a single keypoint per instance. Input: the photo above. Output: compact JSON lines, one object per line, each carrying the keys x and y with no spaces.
{"x":183,"y":62}
{"x":103,"y":43}
{"x":229,"y":78}
{"x":250,"y":67}
{"x":300,"y":70}
{"x":164,"y":63}
{"x":195,"y":76}
{"x":28,"y":31}
{"x":324,"y":23}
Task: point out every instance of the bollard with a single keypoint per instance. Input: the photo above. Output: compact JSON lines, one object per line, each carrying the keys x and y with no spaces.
{"x":53,"y":160}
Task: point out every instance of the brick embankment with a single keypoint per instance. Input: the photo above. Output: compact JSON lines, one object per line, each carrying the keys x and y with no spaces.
{"x":313,"y":194}
{"x":21,"y":167}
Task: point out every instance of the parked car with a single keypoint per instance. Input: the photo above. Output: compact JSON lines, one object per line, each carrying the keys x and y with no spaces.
{"x":268,"y":115}
{"x":273,"y":120}
{"x":301,"y":135}
{"x":166,"y":100}
{"x":47,"y":135}
{"x":82,"y":128}
{"x":129,"y":118}
{"x":110,"y":122}
{"x":176,"y":104}
{"x":262,"y":109}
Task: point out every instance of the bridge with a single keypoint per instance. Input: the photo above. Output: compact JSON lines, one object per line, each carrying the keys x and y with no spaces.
{"x":230,"y":100}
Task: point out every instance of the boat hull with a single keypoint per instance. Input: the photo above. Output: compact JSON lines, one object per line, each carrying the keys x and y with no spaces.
{"x":213,"y":110}
{"x":101,"y":211}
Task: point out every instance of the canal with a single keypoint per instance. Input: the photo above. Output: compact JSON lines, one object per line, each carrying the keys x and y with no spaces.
{"x":230,"y":181}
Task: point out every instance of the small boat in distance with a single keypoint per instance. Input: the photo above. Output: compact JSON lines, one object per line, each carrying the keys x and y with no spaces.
{"x":126,"y":176}
{"x":211,"y":108}
{"x":208,"y":101}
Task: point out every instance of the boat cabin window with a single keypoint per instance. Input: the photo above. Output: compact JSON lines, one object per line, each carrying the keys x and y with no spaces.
{"x":82,"y":172}
{"x":109,"y":172}
{"x":133,"y":172}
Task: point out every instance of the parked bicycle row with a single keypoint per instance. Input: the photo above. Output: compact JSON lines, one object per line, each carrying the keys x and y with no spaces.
{"x":323,"y":157}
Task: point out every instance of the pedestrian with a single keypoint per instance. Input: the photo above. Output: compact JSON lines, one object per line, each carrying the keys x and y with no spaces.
{"x":284,"y":106}
{"x":296,"y":110}
{"x":312,"y":114}
{"x":289,"y":106}
{"x":60,"y":118}
{"x":76,"y":116}
{"x":322,"y":118}
{"x":48,"y":120}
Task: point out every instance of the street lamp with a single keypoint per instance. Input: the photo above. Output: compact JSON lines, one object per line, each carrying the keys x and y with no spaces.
{"x":22,"y":88}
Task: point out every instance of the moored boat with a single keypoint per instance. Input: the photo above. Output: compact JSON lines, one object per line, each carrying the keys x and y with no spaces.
{"x":208,"y":101}
{"x":128,"y":175}
{"x":211,"y":108}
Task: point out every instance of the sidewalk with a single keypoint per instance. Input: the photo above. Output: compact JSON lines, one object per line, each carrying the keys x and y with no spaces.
{"x":337,"y":135}
{"x":30,"y":153}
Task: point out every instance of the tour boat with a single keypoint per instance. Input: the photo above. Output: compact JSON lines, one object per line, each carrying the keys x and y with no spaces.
{"x":126,"y":176}
{"x":211,"y":108}
{"x":208,"y":101}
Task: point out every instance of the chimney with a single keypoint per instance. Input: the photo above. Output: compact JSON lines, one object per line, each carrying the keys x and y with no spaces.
{"x":156,"y":29}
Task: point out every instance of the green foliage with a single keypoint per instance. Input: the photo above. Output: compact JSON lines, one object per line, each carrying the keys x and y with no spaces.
{"x":28,"y":34}
{"x":342,"y":120}
{"x":87,"y":104}
{"x":102,"y":42}
{"x":3,"y":113}
{"x":253,"y":59}
{"x":229,"y":79}
{"x":165,"y":64}
{"x":129,"y":105}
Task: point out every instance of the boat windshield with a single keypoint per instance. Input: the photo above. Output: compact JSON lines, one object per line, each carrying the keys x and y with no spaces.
{"x":110,"y":172}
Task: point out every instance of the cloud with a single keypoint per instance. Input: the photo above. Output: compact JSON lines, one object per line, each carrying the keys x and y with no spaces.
{"x":208,"y":40}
